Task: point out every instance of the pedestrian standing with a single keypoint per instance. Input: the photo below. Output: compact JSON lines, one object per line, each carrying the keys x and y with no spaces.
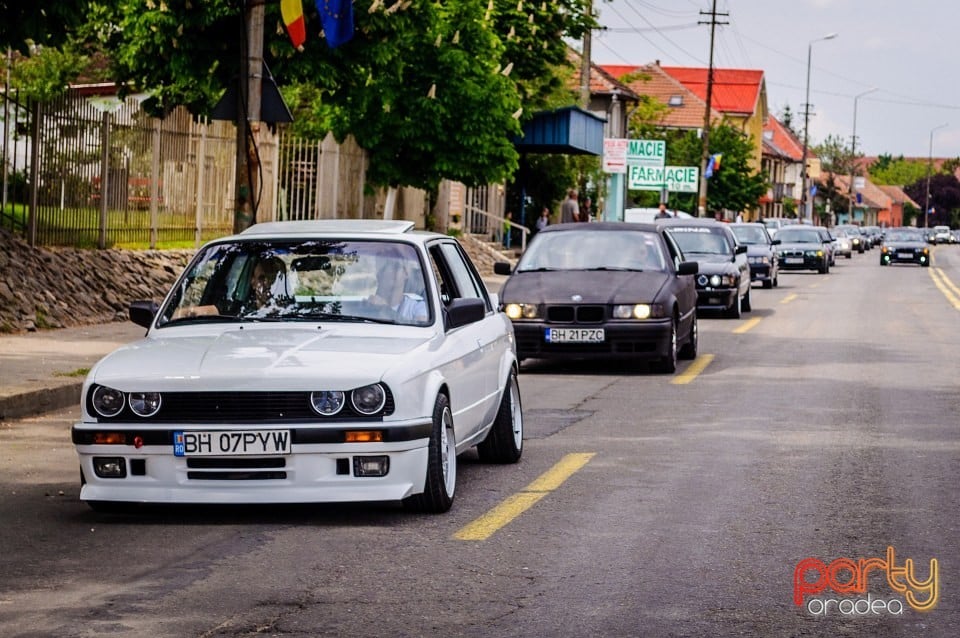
{"x":544,"y":220}
{"x":585,"y":212}
{"x":507,"y":229}
{"x":663,"y":213}
{"x":570,"y":209}
{"x":739,"y":217}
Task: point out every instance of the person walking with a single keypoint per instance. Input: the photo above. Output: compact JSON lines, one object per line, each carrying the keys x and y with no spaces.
{"x":570,"y":209}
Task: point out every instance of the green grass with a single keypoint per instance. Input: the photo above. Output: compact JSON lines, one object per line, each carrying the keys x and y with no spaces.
{"x":79,"y":372}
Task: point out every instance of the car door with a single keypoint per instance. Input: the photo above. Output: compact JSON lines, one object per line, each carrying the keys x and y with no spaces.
{"x":473,"y":350}
{"x":739,"y":252}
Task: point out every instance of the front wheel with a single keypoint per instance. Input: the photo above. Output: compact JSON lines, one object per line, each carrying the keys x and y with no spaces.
{"x":668,"y":364}
{"x":747,"y":305}
{"x":689,"y":349}
{"x":504,"y":442}
{"x":735,"y":311}
{"x":441,"y":481}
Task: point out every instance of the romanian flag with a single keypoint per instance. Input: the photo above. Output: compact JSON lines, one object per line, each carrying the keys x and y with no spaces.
{"x":292,"y":13}
{"x":713,"y":164}
{"x":337,"y":18}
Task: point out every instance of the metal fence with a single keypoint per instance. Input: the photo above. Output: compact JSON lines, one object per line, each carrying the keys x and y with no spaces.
{"x":89,"y":170}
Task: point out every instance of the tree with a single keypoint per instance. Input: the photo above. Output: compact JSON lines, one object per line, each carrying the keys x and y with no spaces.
{"x":944,"y":197}
{"x":898,"y":171}
{"x":835,"y":155}
{"x":24,"y":25}
{"x":430,"y":90}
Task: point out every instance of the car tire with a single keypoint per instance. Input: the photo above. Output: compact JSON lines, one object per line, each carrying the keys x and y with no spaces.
{"x":668,"y":364}
{"x":504,"y":442}
{"x":441,"y":481}
{"x":776,"y":280}
{"x":689,"y":349}
{"x":768,"y":284}
{"x":735,"y":311}
{"x":747,"y":305}
{"x":824,"y":268}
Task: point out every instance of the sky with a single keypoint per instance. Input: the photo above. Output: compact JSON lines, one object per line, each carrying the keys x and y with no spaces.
{"x":904,"y":50}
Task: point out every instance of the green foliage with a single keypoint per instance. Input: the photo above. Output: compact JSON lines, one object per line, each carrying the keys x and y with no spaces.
{"x":25,"y":24}
{"x":835,"y":155}
{"x":46,"y":72}
{"x":430,"y":90}
{"x":898,"y":172}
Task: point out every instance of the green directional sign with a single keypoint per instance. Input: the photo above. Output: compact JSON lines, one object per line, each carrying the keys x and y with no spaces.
{"x":646,"y":153}
{"x":678,"y":179}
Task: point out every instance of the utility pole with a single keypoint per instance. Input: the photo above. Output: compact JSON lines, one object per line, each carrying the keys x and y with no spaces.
{"x":705,"y":155}
{"x":249,"y":97}
{"x":585,"y":59}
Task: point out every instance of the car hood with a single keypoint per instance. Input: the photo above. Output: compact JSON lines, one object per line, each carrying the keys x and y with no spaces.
{"x":800,"y":246}
{"x":893,"y":245}
{"x":759,"y":250}
{"x":256,"y":358}
{"x":595,"y":287}
{"x":713,"y":264}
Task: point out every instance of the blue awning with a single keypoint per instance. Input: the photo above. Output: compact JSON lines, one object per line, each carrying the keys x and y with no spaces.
{"x":567,"y":131}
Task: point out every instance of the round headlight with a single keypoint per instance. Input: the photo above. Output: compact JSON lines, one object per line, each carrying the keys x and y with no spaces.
{"x":641,"y":311}
{"x":144,"y":403}
{"x":715,"y":280}
{"x":107,"y":401}
{"x":327,"y":402}
{"x":369,"y":399}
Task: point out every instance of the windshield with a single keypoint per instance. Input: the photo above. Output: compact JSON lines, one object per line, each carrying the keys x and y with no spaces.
{"x":903,"y":235}
{"x":594,"y":250}
{"x":701,"y":241}
{"x":750,"y":234}
{"x":799,"y":236}
{"x":329,"y":280}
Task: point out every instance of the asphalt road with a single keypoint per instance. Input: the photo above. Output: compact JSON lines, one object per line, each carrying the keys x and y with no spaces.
{"x":826,"y":429}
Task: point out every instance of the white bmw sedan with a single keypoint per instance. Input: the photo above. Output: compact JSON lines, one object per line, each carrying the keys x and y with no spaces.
{"x":306,"y":362}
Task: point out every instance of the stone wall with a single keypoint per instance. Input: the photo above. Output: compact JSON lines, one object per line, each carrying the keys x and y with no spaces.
{"x":61,"y":287}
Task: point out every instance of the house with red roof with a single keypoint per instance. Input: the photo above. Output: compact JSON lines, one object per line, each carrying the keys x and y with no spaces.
{"x":781,"y":164}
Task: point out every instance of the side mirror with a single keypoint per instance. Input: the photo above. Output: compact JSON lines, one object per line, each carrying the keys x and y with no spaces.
{"x":143,"y":312}
{"x":688,"y":268}
{"x":502,"y":268}
{"x":463,"y":311}
{"x":742,"y":248}
{"x":775,"y":242}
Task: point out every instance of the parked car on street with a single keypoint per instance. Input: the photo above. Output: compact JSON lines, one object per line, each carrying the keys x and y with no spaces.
{"x":904,"y":246}
{"x":723,"y":282}
{"x":761,"y":252}
{"x":609,"y":290}
{"x":305,"y":362}
{"x":802,"y":248}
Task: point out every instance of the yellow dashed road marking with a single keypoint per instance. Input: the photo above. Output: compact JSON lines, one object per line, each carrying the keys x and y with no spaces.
{"x":515,"y":505}
{"x":739,"y":330}
{"x":789,"y":298}
{"x":695,"y":368}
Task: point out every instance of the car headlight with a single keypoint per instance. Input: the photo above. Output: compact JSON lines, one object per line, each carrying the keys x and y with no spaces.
{"x":637,"y":311}
{"x":327,"y":402}
{"x":107,"y":402}
{"x":521,"y":310}
{"x":715,"y":280}
{"x":369,"y":399}
{"x":763,"y":260}
{"x":145,"y":404}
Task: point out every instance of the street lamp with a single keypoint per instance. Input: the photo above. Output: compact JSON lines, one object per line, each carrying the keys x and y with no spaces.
{"x":926,"y":197}
{"x":853,"y":147}
{"x":808,"y":214}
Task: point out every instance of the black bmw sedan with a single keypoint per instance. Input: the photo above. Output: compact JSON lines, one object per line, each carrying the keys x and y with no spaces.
{"x":606,"y":290}
{"x":802,"y":248}
{"x":904,"y":246}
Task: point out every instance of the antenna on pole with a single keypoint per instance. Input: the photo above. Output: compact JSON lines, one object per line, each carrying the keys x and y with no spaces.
{"x":705,"y":155}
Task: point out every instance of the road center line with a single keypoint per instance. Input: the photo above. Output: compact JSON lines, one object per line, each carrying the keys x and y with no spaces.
{"x":516,"y":504}
{"x":739,"y":330}
{"x":789,"y":298}
{"x":947,"y":287}
{"x":695,"y":368}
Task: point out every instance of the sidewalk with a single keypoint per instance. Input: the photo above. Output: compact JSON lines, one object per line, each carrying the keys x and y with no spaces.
{"x":44,"y":370}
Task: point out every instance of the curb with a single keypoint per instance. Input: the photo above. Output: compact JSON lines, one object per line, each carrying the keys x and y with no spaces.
{"x":34,"y":402}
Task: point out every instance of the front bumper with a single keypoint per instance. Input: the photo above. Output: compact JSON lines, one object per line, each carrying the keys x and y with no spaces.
{"x":647,"y":339}
{"x":313,"y":472}
{"x":716,"y":298}
{"x":802,"y":262}
{"x":760,"y":272}
{"x":905,"y":256}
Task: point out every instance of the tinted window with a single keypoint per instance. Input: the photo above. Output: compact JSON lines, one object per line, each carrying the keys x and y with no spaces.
{"x":594,"y":250}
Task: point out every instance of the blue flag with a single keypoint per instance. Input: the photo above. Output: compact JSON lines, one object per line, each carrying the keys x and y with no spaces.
{"x":337,"y":17}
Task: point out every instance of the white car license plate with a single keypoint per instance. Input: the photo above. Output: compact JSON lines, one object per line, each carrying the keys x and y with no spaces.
{"x":574,"y":335}
{"x":793,"y":260}
{"x":231,"y":443}
{"x":904,"y":255}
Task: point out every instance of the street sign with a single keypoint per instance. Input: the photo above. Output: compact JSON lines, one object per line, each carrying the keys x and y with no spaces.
{"x":615,"y":155}
{"x":678,"y":179}
{"x":647,"y":153}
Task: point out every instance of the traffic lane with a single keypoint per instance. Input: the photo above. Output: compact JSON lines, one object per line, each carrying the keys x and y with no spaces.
{"x":653,"y":482}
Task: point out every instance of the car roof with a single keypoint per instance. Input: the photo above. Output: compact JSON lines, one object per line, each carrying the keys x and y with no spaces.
{"x":596,"y":226}
{"x":376,"y":229}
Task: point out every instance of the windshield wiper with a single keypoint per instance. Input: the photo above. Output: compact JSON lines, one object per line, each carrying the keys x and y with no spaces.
{"x":616,"y":268}
{"x":202,"y":319}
